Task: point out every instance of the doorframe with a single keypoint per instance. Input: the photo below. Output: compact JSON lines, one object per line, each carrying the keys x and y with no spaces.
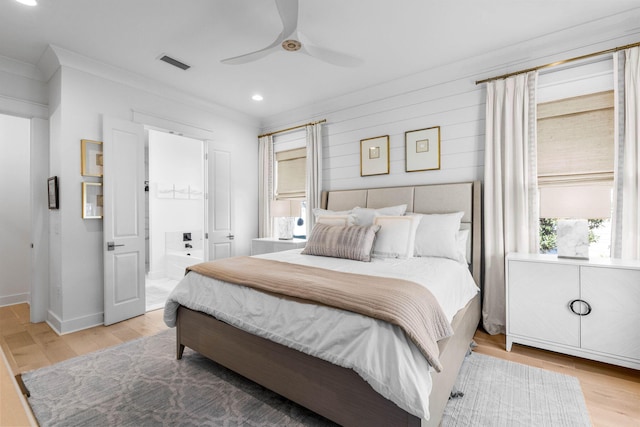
{"x":39,"y":287}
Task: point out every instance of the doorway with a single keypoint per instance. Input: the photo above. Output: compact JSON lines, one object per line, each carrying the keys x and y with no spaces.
{"x":15,"y":218}
{"x":176,"y":211}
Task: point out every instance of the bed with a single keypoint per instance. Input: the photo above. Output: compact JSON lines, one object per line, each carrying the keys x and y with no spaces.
{"x":340,"y":394}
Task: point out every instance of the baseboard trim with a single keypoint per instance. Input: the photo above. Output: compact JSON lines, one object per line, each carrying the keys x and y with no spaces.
{"x":15,"y":299}
{"x":62,"y":327}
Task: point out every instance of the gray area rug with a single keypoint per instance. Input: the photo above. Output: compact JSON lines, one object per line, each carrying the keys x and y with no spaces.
{"x":499,"y":393}
{"x":140,"y":383}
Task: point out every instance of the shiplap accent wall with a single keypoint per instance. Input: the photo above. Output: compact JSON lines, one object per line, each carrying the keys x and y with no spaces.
{"x":456,"y":106}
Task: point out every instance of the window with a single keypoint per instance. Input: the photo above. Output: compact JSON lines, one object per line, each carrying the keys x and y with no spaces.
{"x":291,"y":168}
{"x":575,"y":138}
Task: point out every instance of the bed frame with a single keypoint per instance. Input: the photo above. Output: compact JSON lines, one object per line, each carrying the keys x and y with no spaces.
{"x":337,"y":393}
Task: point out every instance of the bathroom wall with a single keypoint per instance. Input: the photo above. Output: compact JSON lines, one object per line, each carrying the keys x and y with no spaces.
{"x":176,"y":189}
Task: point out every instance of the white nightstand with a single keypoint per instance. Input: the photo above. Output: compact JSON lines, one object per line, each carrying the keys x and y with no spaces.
{"x":586,"y":308}
{"x":267,"y":245}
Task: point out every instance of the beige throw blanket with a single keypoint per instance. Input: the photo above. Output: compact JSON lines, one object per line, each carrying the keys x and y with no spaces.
{"x":400,"y":302}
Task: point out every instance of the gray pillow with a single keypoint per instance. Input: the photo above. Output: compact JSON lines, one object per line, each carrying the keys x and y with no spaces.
{"x":349,"y":242}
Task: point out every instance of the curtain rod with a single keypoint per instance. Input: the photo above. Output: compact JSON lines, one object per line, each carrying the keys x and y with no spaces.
{"x":553,"y":64}
{"x":293,"y":128}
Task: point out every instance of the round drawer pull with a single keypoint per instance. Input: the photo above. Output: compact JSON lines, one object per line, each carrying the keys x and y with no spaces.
{"x":580,"y":313}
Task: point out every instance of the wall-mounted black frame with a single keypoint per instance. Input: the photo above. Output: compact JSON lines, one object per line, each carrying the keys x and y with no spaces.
{"x":52,"y":191}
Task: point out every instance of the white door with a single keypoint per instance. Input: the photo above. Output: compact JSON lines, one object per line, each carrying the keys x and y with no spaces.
{"x":221,"y":238}
{"x":123,"y":221}
{"x":537,"y":302}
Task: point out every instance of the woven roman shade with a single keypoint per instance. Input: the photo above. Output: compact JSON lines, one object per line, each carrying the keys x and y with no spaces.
{"x":291,"y":172}
{"x":575,"y":140}
{"x":576,"y":156}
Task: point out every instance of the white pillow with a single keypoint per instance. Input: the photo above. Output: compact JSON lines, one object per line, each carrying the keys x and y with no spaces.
{"x":336,"y":219}
{"x":464,"y":248}
{"x":364,"y":216}
{"x":437,"y":236}
{"x":396,"y":236}
{"x":319,"y":212}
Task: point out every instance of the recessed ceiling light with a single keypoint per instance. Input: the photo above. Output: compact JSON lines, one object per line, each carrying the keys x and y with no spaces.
{"x":28,"y":2}
{"x":257,"y":97}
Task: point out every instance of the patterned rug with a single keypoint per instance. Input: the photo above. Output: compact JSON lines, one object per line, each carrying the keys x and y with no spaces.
{"x":499,"y":393}
{"x":140,"y":383}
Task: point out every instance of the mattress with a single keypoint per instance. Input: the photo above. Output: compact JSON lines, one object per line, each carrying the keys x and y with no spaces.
{"x":379,"y":352}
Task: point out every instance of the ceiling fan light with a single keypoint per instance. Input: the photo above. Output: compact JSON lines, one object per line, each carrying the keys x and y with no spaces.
{"x":28,"y":2}
{"x":257,"y":97}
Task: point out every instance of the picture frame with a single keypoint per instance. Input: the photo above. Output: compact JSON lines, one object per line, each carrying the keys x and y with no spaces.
{"x":91,"y":158}
{"x":374,"y":156}
{"x":52,"y":192}
{"x":422,"y":149}
{"x":92,"y":200}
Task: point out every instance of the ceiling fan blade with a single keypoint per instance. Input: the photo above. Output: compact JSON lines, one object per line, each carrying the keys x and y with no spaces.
{"x":331,"y":56}
{"x":254,"y":56}
{"x":250,"y":57}
{"x":288,"y":10}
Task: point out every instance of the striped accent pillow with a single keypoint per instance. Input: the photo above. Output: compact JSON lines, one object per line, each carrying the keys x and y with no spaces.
{"x":349,"y":242}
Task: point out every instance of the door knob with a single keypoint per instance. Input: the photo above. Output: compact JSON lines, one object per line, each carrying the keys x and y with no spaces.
{"x":111,"y":246}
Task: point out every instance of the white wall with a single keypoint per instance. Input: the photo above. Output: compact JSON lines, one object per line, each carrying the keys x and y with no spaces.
{"x":77,"y":252}
{"x":15,"y":218}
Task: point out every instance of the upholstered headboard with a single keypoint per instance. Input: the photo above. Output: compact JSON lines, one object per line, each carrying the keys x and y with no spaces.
{"x":427,"y":199}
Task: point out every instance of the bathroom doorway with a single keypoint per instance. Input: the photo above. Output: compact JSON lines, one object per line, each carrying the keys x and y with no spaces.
{"x":176,"y":211}
{"x":15,"y":221}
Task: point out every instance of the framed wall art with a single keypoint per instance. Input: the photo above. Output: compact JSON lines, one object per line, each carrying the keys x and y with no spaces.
{"x":92,"y":201}
{"x":422,"y":149}
{"x":91,"y":152}
{"x":52,"y":192}
{"x":374,"y":156}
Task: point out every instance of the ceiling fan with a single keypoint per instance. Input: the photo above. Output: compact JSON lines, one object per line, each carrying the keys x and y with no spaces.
{"x":290,"y":39}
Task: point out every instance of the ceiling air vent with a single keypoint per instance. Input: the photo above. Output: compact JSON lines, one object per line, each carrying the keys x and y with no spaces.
{"x":174,"y":62}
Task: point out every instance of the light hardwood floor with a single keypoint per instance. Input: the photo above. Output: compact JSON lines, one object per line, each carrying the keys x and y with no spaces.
{"x":612,"y":393}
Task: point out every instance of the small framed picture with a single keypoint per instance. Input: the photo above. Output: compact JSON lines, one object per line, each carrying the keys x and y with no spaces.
{"x":374,"y":156}
{"x":422,"y":149}
{"x":92,"y":200}
{"x":91,"y":152}
{"x":52,"y":191}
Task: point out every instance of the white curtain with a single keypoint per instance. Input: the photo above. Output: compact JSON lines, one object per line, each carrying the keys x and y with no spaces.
{"x":314,"y":172}
{"x":510,"y":186}
{"x":265,"y":183}
{"x":626,"y":217}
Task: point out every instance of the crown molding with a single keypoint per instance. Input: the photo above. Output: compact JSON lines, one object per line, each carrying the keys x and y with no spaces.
{"x":19,"y":68}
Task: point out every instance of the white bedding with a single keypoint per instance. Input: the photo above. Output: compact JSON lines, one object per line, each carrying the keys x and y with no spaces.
{"x":377,"y":351}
